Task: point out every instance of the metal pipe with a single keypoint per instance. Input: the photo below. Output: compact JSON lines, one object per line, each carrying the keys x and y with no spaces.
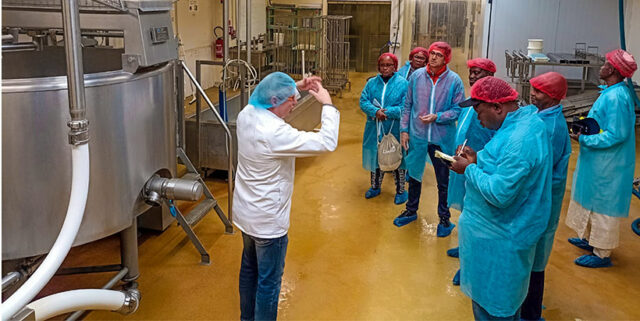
{"x":129,"y":251}
{"x":79,"y":124}
{"x":196,"y":94}
{"x":89,"y":269}
{"x":22,"y":46}
{"x":229,"y":138}
{"x":179,"y":76}
{"x":10,"y":279}
{"x":225,"y":27}
{"x":109,"y":285}
{"x":238,"y":42}
{"x":248,"y":18}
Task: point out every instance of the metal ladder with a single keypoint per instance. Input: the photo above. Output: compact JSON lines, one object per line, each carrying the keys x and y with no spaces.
{"x":189,"y":220}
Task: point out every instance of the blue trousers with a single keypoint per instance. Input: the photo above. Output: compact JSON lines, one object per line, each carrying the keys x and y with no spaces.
{"x":442,"y":179}
{"x":480,"y":314}
{"x":261,"y":276}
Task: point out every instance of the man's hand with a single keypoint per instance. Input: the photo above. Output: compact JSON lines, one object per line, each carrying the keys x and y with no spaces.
{"x":469,"y":154}
{"x":321,"y":95}
{"x":575,"y":137}
{"x":311,"y":83}
{"x":428,"y":119}
{"x":380,"y":115}
{"x":460,"y":164}
{"x":404,"y":140}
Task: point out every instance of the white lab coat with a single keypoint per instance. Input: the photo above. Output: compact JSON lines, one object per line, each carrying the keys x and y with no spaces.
{"x":267,"y":148}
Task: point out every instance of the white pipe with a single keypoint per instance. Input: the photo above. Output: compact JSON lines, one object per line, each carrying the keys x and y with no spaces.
{"x":70,"y":301}
{"x":75,"y":212}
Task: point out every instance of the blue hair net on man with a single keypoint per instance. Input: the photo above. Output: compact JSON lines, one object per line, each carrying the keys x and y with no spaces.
{"x":276,"y":85}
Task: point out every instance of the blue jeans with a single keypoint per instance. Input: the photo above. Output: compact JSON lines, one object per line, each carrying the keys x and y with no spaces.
{"x":260,"y":276}
{"x":480,"y":314}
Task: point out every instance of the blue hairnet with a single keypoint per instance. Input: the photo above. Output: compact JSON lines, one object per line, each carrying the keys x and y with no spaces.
{"x":278,"y":85}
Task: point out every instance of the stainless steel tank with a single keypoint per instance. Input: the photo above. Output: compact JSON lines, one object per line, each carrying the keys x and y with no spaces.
{"x":132,"y":137}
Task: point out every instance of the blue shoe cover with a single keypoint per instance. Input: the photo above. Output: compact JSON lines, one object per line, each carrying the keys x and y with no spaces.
{"x":454,"y":252}
{"x":581,"y":243}
{"x":593,"y":261}
{"x":445,"y":231}
{"x":456,"y":278}
{"x":372,"y":192}
{"x":405,"y":218}
{"x":401,"y":198}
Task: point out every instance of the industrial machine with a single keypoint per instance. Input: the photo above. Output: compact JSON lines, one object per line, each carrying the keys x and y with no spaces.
{"x":120,"y":57}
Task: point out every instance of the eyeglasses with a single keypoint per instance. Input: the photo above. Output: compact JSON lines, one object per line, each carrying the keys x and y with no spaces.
{"x":437,"y":54}
{"x":387,"y":65}
{"x":420,"y":57}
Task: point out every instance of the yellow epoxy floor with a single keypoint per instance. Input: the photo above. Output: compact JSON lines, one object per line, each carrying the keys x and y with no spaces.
{"x":346,"y":260}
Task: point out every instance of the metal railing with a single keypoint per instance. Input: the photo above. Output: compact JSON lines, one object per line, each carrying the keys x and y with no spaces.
{"x":227,"y":132}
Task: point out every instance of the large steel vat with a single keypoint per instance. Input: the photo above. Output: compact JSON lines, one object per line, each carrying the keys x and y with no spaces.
{"x":132,"y":136}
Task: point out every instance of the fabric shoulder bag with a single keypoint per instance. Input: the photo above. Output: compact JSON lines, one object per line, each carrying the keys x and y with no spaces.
{"x":389,"y":149}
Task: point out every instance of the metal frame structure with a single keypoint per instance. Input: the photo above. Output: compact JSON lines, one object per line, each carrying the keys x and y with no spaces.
{"x":335,"y":67}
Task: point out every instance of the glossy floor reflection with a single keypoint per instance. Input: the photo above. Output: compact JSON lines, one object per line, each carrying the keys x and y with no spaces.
{"x":347,"y":261}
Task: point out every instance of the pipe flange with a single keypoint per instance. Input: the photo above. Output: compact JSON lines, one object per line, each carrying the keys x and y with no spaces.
{"x":78,"y":124}
{"x":79,"y":133}
{"x":131,"y":302}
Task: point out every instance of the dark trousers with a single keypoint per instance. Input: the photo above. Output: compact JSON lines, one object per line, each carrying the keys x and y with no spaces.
{"x":442,"y":179}
{"x":480,"y":314}
{"x":532,"y":305}
{"x":261,"y":276}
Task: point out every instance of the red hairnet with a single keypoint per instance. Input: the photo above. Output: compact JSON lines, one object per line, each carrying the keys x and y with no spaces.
{"x":493,"y":90}
{"x":482,"y":63}
{"x":551,"y":83}
{"x":623,"y":62}
{"x":443,"y":48}
{"x":390,"y":55}
{"x":417,"y":50}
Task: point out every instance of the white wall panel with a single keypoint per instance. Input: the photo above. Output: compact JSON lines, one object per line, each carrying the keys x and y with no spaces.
{"x":561,"y":23}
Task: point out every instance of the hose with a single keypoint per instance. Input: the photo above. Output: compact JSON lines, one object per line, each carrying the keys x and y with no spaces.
{"x":70,"y":301}
{"x":75,"y":212}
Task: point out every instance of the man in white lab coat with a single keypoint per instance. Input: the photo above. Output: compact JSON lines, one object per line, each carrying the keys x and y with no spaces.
{"x":267,"y":149}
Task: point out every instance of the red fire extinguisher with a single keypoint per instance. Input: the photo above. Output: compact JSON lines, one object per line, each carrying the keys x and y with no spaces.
{"x":218,"y":45}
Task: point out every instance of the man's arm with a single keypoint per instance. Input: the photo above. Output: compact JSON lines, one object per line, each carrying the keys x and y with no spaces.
{"x":501,"y":188}
{"x":288,"y":141}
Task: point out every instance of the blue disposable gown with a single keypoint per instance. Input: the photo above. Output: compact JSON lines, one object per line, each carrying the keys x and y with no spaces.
{"x":391,"y":96}
{"x":404,"y":70}
{"x":468,"y":128}
{"x":604,"y":173}
{"x":426,"y":97}
{"x":561,"y":147}
{"x":506,"y":209}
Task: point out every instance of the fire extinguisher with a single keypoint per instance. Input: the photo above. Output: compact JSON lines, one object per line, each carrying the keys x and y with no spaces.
{"x":218,"y":45}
